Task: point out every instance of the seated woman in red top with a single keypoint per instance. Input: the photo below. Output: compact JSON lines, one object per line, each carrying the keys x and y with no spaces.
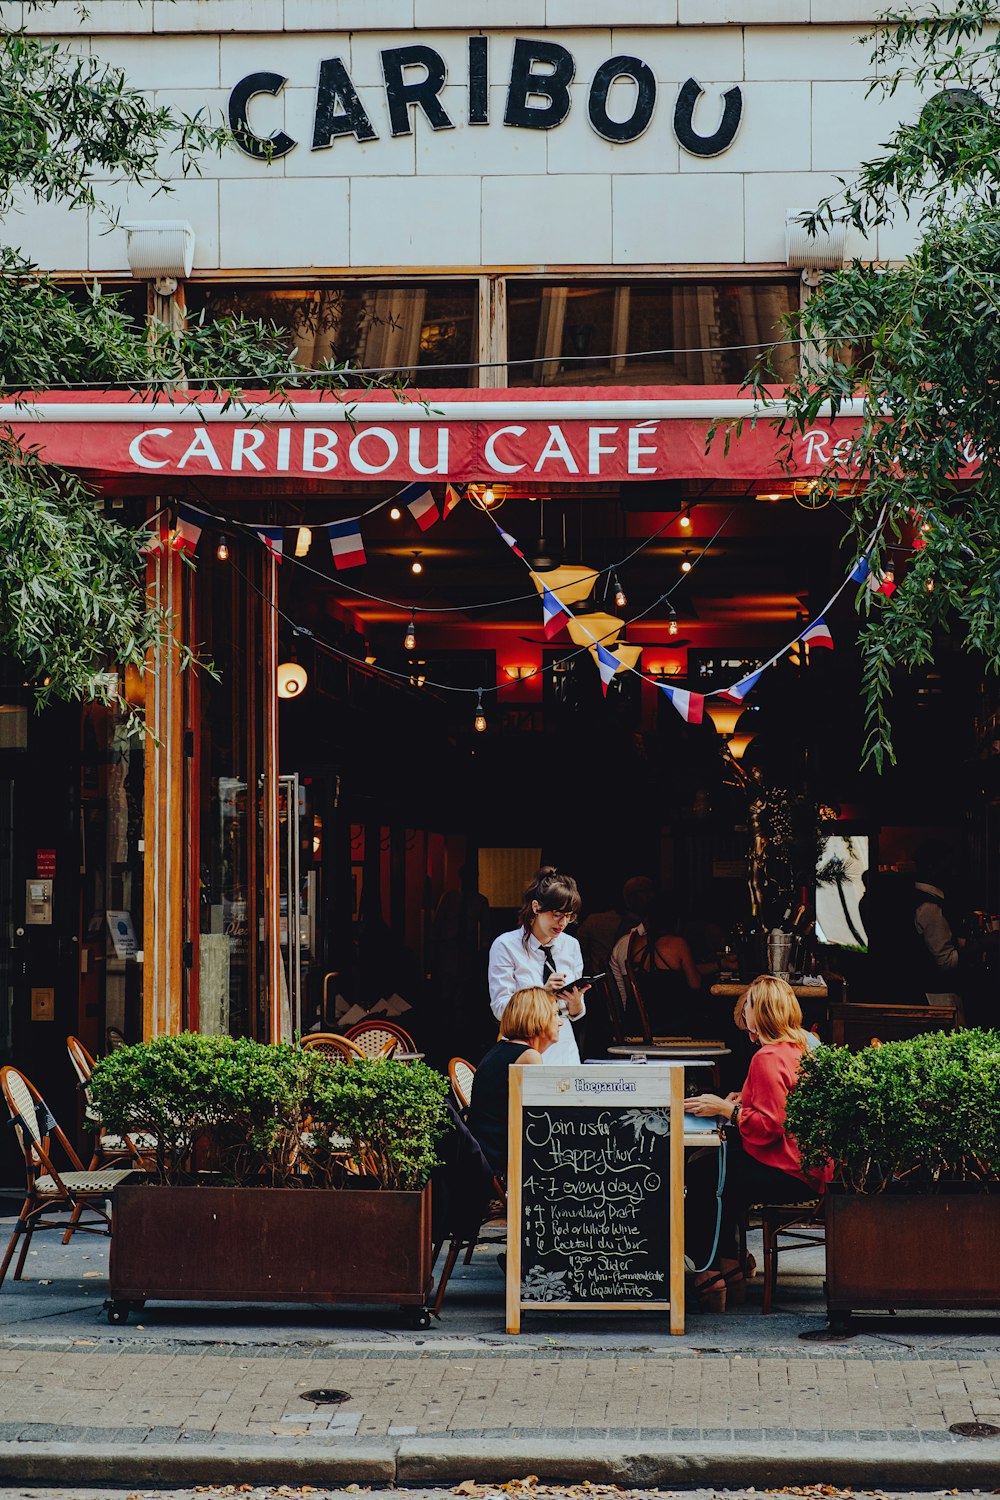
{"x":763,"y":1164}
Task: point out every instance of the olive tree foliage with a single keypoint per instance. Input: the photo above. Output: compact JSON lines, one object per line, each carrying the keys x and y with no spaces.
{"x":919,"y":342}
{"x":71,"y":580}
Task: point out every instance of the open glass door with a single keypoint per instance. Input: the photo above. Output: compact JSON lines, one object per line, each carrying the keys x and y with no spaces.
{"x":297,"y":890}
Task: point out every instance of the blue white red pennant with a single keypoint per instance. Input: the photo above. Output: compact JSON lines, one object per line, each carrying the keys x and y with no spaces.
{"x":188,"y":529}
{"x":860,"y":571}
{"x":452,"y":495}
{"x":690,"y":706}
{"x":511,"y":544}
{"x":345,"y":543}
{"x":420,"y":502}
{"x":607,"y":665}
{"x":554,"y":614}
{"x":883,"y":583}
{"x":273,"y":538}
{"x":817,"y":634}
{"x":740,"y":689}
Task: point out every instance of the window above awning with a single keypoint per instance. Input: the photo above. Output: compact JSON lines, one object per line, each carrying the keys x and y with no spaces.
{"x":517,"y":437}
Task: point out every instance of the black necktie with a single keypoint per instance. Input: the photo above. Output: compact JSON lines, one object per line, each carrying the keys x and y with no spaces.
{"x":548,"y":967}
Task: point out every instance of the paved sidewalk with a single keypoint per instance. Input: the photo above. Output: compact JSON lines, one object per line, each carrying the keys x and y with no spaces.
{"x":211,"y":1393}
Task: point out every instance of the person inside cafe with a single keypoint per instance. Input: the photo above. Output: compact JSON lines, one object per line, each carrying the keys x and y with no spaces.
{"x":762,"y":1162}
{"x":541,"y":952}
{"x":530,"y":1026}
{"x":656,"y":963}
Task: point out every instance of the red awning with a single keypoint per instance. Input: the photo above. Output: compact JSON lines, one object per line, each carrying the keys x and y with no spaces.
{"x":505,"y":436}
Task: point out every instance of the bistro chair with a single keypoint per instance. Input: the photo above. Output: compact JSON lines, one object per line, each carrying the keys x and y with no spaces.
{"x":798,"y":1223}
{"x":331,"y":1045}
{"x":108,"y":1149}
{"x":114,"y":1038}
{"x":374,"y":1035}
{"x":461,"y":1076}
{"x":49,"y":1190}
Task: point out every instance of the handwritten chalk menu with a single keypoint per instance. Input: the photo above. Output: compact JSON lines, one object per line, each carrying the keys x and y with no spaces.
{"x":595,"y":1190}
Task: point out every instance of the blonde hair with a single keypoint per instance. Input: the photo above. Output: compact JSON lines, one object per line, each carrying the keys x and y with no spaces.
{"x":528,"y":1013}
{"x":777,"y":1015}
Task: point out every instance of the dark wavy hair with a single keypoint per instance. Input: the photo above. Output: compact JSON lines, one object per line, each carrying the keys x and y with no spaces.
{"x":552,"y":891}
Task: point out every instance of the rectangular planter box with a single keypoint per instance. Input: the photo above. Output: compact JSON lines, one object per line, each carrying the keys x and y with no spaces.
{"x":225,"y":1244}
{"x":912,"y":1250}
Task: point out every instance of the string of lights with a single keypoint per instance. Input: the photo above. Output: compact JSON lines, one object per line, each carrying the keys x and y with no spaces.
{"x":295,"y":377}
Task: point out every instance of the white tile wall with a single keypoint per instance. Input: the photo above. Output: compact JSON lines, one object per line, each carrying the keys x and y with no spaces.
{"x":316,"y":217}
{"x":49,"y":234}
{"x":267,"y":114}
{"x":558,"y":220}
{"x":495,"y":195}
{"x":678,"y":220}
{"x":409,"y":221}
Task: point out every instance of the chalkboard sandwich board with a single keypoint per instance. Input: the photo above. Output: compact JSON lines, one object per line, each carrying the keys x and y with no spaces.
{"x":595,"y":1191}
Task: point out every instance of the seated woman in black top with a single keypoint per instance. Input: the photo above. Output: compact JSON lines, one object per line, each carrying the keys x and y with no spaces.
{"x":530,"y":1025}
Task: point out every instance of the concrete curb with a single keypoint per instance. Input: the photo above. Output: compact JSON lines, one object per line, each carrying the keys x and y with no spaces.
{"x":439,"y":1461}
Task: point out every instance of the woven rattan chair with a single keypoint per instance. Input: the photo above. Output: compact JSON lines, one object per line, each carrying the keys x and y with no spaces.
{"x":461,"y":1076}
{"x":48,"y":1189}
{"x":109,"y":1150}
{"x":379,"y":1038}
{"x":336,"y":1048}
{"x":114,"y":1038}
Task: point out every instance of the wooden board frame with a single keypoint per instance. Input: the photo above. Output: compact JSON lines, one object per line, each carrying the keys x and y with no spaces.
{"x":563,"y":1078}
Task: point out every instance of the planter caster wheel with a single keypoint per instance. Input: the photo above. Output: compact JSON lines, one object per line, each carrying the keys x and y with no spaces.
{"x":840,"y":1322}
{"x":416,"y":1317}
{"x":118,"y":1311}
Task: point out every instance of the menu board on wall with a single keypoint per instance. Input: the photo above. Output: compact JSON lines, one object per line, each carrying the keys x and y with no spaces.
{"x":595,"y":1190}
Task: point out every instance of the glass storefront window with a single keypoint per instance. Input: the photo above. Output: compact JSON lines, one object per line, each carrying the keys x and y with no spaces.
{"x":373,"y":325}
{"x":680,"y":333}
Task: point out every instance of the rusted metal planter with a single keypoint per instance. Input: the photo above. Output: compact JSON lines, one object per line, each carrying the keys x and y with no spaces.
{"x":923,"y":1250}
{"x":250,"y":1244}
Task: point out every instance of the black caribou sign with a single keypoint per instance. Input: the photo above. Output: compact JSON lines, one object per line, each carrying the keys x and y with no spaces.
{"x":538,"y":98}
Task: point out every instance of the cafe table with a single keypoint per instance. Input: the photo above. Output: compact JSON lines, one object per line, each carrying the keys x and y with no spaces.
{"x":732,"y":989}
{"x":693,"y":1052}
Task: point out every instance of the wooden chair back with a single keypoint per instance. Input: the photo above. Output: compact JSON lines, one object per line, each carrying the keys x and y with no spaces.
{"x":333,"y":1046}
{"x":375,"y":1035}
{"x":461,"y":1076}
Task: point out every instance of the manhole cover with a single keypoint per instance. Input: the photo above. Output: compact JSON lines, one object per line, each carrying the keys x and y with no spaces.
{"x":974,"y":1429}
{"x":326,"y":1397}
{"x":826,"y":1336}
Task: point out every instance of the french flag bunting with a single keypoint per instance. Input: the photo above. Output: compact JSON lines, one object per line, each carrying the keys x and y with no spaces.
{"x":188,"y":529}
{"x":511,"y":543}
{"x":452,"y":495}
{"x":690,"y":706}
{"x":420,"y":502}
{"x":273,"y":538}
{"x":156,"y":541}
{"x":883,"y":583}
{"x":860,"y":570}
{"x":607,"y":664}
{"x":345,"y":543}
{"x":554,"y":614}
{"x":818,"y":634}
{"x":740,"y":689}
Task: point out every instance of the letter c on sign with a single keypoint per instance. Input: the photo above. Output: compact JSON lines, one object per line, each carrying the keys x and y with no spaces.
{"x":497,"y":464}
{"x":136,"y":454}
{"x":262,"y":148}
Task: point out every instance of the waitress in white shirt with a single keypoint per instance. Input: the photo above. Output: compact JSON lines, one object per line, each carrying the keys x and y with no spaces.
{"x":541,"y":952}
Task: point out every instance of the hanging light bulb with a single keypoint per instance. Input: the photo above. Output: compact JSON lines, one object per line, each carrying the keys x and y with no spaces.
{"x":222,"y":552}
{"x":687,"y":564}
{"x":929,"y":585}
{"x":621,"y":598}
{"x":303,"y":541}
{"x":672,"y":626}
{"x":479,"y":723}
{"x":395,"y":513}
{"x":488,"y":496}
{"x":685,"y":521}
{"x":416,"y":566}
{"x":292,"y":678}
{"x":410,"y":638}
